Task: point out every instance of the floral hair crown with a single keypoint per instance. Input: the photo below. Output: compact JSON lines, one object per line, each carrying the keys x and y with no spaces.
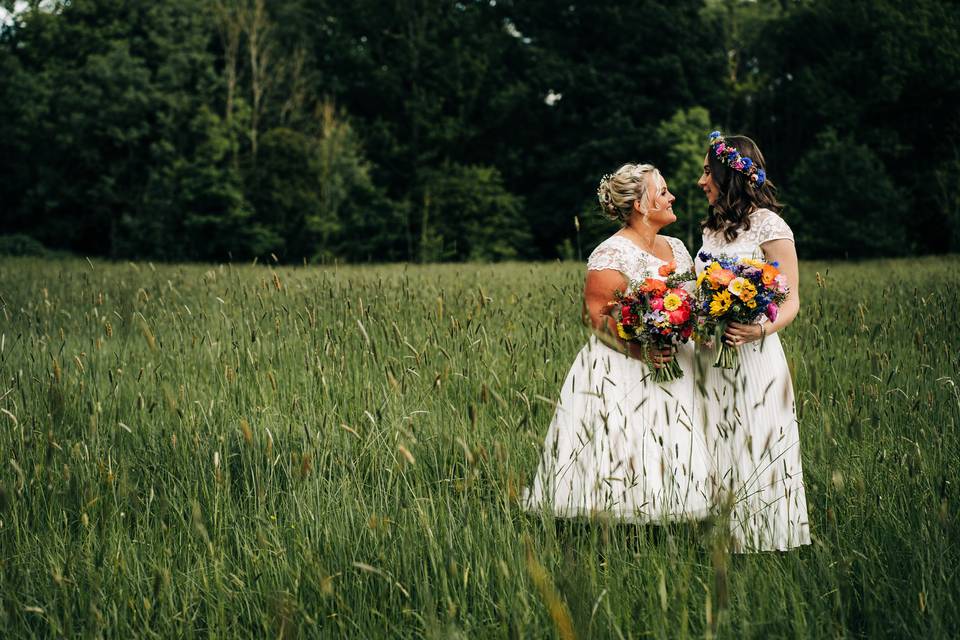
{"x":731,"y":157}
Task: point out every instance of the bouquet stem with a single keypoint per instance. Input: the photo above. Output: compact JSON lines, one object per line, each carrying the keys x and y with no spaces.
{"x":727,"y":356}
{"x":668,"y":372}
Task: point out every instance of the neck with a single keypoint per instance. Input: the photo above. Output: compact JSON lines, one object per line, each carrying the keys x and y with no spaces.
{"x":646,"y":234}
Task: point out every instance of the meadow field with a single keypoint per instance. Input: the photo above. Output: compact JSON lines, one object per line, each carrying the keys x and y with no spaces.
{"x":260,"y":451}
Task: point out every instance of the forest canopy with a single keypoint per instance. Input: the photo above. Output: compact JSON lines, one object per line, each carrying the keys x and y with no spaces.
{"x":429,"y":130}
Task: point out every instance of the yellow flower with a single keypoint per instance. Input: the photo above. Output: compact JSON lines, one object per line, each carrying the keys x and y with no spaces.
{"x":748,"y":292}
{"x":671,"y":301}
{"x":720,"y":303}
{"x":622,"y":333}
{"x":713,"y":266}
{"x":703,"y":274}
{"x":754,"y":263}
{"x":751,"y":304}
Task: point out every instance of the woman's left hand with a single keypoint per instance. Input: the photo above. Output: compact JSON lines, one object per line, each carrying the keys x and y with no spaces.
{"x":737,"y":334}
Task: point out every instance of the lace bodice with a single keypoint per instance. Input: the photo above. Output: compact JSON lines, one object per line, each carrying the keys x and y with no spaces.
{"x":617,"y":252}
{"x":765,"y":225}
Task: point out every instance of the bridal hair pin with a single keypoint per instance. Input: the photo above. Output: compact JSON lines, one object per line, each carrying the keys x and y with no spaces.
{"x":604,"y":194}
{"x":732,"y":158}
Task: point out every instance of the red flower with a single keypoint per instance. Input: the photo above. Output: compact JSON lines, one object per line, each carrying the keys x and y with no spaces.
{"x":667,"y":269}
{"x":679,"y":315}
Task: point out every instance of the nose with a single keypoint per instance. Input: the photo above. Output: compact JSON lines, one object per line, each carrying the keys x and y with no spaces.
{"x":703,"y":180}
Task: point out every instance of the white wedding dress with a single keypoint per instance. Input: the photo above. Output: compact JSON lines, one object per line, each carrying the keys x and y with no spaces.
{"x":620,"y":444}
{"x":750,"y":424}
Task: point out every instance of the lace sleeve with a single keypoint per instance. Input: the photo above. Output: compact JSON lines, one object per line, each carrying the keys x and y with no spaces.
{"x":772,"y":227}
{"x":606,"y":257}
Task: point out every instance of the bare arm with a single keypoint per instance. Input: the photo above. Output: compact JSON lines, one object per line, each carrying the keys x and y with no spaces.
{"x":784,"y":252}
{"x":601,"y":288}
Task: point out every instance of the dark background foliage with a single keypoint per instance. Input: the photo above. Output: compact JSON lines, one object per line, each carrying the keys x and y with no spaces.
{"x":431,"y":130}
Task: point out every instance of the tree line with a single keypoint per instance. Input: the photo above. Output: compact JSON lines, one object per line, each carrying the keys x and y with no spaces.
{"x":429,"y":130}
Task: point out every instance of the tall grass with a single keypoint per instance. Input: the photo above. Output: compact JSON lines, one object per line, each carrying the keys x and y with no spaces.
{"x":253,"y":451}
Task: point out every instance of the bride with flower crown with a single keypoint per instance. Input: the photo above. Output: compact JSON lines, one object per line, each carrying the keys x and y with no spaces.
{"x":748,"y":413}
{"x":621,"y":444}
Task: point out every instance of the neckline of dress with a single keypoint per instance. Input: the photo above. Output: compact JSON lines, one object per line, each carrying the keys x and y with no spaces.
{"x":749,"y":215}
{"x":673,"y":254}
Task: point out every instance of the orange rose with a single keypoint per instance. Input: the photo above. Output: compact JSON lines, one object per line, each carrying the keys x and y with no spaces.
{"x":667,"y":269}
{"x":721,"y":277}
{"x":769,"y":274}
{"x":654,"y":286}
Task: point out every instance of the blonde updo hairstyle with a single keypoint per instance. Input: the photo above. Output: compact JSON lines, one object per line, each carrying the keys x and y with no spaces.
{"x":618,"y":192}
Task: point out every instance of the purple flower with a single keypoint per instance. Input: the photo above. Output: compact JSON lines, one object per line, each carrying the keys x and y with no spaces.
{"x":721,"y":148}
{"x":653,"y":317}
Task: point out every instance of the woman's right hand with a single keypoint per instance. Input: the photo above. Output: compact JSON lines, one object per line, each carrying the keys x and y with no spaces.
{"x":656,"y":358}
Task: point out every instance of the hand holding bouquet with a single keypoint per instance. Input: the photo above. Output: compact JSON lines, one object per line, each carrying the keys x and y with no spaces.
{"x":735,"y":290}
{"x":657,"y":314}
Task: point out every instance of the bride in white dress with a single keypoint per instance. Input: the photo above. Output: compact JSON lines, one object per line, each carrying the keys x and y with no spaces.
{"x":620,"y":444}
{"x":748,"y":414}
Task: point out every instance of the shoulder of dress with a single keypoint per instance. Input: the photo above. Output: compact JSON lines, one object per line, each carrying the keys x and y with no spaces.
{"x":769,"y":225}
{"x":763,"y":214}
{"x":609,"y":254}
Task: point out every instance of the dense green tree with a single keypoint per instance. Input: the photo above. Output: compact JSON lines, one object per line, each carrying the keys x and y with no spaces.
{"x":198,"y":203}
{"x":885,"y":72}
{"x":467,"y":214}
{"x":618,"y":69}
{"x":105,"y":89}
{"x":683,"y":138}
{"x":185,"y":129}
{"x":844,"y":202}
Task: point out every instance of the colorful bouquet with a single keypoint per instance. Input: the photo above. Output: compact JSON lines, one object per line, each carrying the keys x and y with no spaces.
{"x":735,"y":290}
{"x":658,"y":314}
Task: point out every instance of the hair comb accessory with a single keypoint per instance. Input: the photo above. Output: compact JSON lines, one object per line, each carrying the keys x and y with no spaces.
{"x":602,"y":194}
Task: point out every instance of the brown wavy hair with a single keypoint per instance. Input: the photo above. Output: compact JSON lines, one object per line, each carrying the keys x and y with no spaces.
{"x":736,"y":197}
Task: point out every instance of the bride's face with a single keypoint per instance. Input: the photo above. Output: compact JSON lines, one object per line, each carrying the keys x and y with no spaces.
{"x":706,"y":183}
{"x":659,"y":202}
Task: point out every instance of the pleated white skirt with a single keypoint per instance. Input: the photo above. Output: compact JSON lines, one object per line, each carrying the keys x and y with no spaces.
{"x":750,"y":426}
{"x":623,"y":445}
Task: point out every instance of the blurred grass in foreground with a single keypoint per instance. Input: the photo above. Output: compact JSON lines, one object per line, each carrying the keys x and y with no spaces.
{"x":248,"y":451}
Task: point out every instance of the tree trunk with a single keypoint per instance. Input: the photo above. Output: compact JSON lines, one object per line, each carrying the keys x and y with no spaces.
{"x":258,"y":43}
